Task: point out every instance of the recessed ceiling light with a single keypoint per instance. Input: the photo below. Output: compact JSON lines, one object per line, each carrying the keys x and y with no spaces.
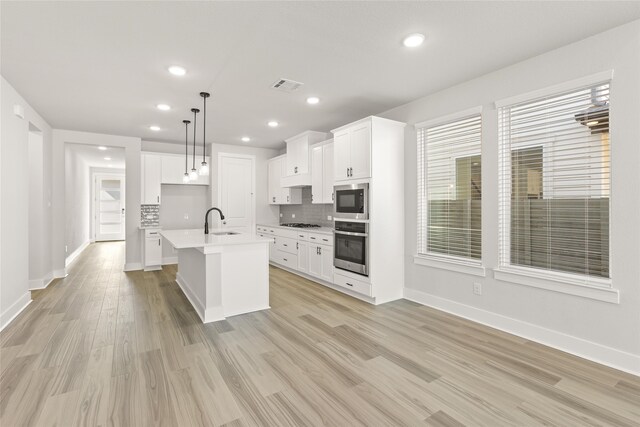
{"x":273,"y":124}
{"x":102,"y":147}
{"x":313,"y":100}
{"x":154,"y":128}
{"x":163,"y":107}
{"x":413,"y":40}
{"x":107,"y":158}
{"x":109,"y":166}
{"x":176,"y":70}
{"x":246,"y":139}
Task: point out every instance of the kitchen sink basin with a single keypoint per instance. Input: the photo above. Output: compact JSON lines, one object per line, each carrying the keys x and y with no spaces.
{"x":224,"y":233}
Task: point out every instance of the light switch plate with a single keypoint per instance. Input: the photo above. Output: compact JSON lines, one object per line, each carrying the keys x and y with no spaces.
{"x":280,"y":215}
{"x":293,"y":215}
{"x":329,"y":218}
{"x":477,"y":288}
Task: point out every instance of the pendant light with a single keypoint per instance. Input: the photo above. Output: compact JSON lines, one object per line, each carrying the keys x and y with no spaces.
{"x":204,"y":167}
{"x":193,"y":175}
{"x":185,"y":177}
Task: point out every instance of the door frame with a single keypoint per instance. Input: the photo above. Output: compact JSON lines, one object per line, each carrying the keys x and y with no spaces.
{"x":251,"y":157}
{"x":94,"y":196}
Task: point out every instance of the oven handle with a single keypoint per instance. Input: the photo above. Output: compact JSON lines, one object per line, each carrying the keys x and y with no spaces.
{"x":348,"y":233}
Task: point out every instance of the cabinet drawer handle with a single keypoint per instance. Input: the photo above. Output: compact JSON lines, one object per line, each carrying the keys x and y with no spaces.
{"x":158,"y":197}
{"x":347,"y":171}
{"x":158,"y":242}
{"x":297,"y":247}
{"x":312,"y":238}
{"x":284,"y":244}
{"x":285,"y":259}
{"x":326,"y":240}
{"x":287,"y":198}
{"x":349,"y":284}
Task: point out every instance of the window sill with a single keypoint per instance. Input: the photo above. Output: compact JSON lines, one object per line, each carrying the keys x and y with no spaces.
{"x":558,"y":282}
{"x":451,"y":264}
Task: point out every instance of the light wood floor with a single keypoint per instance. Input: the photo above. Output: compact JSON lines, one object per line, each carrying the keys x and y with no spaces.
{"x":103,"y":347}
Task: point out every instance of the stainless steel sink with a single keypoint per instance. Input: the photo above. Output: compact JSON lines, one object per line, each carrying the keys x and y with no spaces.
{"x":224,"y":233}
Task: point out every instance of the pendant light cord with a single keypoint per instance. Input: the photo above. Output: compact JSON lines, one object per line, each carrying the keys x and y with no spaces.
{"x":195,"y":112}
{"x":186,"y":145}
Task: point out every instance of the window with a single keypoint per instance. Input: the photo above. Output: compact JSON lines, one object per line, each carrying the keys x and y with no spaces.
{"x":450,"y":188}
{"x":554,"y":183}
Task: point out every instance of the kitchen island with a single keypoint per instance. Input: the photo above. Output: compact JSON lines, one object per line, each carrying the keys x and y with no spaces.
{"x":223,"y":273}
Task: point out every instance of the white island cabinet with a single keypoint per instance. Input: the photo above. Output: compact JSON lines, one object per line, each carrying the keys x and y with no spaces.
{"x":222,"y":275}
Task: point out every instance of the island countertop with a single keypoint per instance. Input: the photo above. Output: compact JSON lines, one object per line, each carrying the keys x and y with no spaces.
{"x":195,"y":238}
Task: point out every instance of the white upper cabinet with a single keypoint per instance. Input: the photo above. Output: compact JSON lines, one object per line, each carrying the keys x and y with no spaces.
{"x":322,"y":173}
{"x":298,"y":158}
{"x":352,"y":152}
{"x":279,"y":195}
{"x":151,"y":173}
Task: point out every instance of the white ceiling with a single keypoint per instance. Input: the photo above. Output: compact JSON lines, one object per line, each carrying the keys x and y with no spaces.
{"x":92,"y":157}
{"x":101,"y":66}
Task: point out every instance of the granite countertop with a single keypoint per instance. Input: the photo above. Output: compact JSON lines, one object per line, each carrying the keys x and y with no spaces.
{"x":319,"y":230}
{"x":195,"y":238}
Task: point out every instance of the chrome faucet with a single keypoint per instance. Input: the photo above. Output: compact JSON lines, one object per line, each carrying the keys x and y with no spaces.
{"x":206,"y":219}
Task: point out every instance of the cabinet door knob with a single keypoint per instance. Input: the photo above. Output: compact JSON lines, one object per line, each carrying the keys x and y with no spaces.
{"x":347,"y":171}
{"x":319,"y":251}
{"x":287,"y":198}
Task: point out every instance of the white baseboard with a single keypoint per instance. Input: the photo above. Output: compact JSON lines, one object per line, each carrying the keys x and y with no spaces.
{"x":60,"y":274}
{"x":42,"y":283}
{"x":132,"y":266}
{"x":212,"y":314}
{"x":577,"y":346}
{"x":72,"y":257}
{"x":16,"y":308}
{"x":169,"y":260}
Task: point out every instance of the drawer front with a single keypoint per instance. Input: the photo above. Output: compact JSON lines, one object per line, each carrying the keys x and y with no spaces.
{"x":283,"y":232}
{"x":287,"y":259}
{"x":302,"y":237}
{"x":286,"y":244}
{"x":322,"y":239}
{"x":352,"y":284}
{"x":151,"y":233}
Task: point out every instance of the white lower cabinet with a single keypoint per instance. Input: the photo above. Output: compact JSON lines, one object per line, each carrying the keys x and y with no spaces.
{"x":321,"y":262}
{"x":152,"y":250}
{"x":303,"y":256}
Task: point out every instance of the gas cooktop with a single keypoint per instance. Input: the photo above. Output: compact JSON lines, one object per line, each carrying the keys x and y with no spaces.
{"x":300,"y":225}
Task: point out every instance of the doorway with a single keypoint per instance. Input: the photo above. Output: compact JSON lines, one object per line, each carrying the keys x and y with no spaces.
{"x":109,"y":207}
{"x":236,"y":190}
{"x":37,"y":265}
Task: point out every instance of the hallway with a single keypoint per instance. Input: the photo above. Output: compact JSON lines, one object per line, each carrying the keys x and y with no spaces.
{"x":103,"y":347}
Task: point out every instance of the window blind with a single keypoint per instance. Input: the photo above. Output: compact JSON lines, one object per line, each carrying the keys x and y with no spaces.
{"x":450,"y":189}
{"x":554,"y":182}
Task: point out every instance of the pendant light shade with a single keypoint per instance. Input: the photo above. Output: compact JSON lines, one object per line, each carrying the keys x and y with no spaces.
{"x":185,"y":177}
{"x":204,"y":167}
{"x":193,"y":175}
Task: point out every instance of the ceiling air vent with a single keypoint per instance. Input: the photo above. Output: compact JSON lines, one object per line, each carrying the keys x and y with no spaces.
{"x":286,"y":85}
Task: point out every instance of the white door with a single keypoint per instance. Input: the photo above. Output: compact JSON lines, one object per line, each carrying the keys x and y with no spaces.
{"x":109,"y":207}
{"x":236,"y":182}
{"x":316,"y":175}
{"x":360,"y":166}
{"x":342,"y":156}
{"x":315,"y":261}
{"x":327,"y":174}
{"x":326,"y":253}
{"x":303,"y":256}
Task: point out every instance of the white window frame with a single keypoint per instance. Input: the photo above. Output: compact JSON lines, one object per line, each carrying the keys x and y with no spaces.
{"x":600,"y":289}
{"x":448,"y":262}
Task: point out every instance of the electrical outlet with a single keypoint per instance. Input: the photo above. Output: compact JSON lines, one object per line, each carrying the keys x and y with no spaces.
{"x":477,"y":288}
{"x":280,"y":215}
{"x":186,"y":216}
{"x":66,"y":249}
{"x":293,"y":215}
{"x":329,"y":218}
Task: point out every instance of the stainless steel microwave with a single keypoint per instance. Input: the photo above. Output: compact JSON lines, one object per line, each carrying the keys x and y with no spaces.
{"x":351,"y":201}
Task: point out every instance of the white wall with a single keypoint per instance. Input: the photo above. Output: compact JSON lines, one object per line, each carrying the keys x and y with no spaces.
{"x":77,"y":201}
{"x":178,"y":201}
{"x":14,"y":191}
{"x":601,"y":331}
{"x":132,"y":189}
{"x":37,"y":250}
